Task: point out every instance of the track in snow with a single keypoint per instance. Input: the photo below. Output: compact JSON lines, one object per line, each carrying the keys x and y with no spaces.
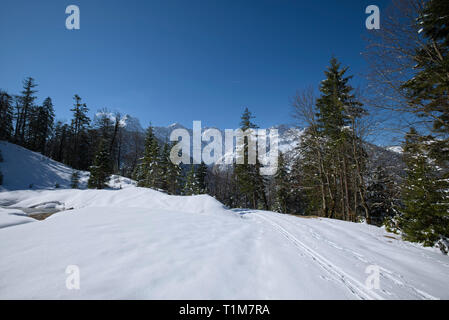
{"x":358,"y":289}
{"x":354,"y":286}
{"x":396,"y":278}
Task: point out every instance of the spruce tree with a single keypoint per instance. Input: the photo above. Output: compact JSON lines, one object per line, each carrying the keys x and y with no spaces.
{"x":338,"y":151}
{"x":100,"y":170}
{"x":424,"y":214}
{"x":248,"y":179}
{"x":6,"y":116}
{"x":201,"y":178}
{"x":1,"y":174}
{"x":74,"y":180}
{"x":382,"y":196}
{"x":24,"y":105}
{"x":164,"y":165}
{"x":40,"y":126}
{"x":173,"y":175}
{"x":79,"y":135}
{"x":191,"y":185}
{"x":149,"y":170}
{"x":428,"y":90}
{"x":281,"y":186}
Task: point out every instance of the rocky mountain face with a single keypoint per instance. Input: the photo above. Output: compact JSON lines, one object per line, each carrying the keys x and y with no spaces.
{"x":389,"y":158}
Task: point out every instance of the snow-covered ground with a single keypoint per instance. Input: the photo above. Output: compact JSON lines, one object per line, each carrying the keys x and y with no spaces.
{"x":140,"y":243}
{"x":23,"y":169}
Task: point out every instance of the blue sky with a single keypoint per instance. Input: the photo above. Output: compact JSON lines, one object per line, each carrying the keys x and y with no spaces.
{"x":179,"y":61}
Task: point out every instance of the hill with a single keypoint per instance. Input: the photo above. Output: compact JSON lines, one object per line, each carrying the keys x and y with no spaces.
{"x":24,"y":169}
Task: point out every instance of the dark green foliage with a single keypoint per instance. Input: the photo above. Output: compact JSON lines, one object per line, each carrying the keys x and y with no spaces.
{"x":382,"y":196}
{"x":335,"y":96}
{"x":59,"y":144}
{"x":428,"y":90}
{"x":79,"y":143}
{"x":170,"y":173}
{"x":191,"y":185}
{"x":40,"y":126}
{"x":281,"y":187}
{"x":250,"y":183}
{"x":424,"y":215}
{"x":74,"y":180}
{"x":149,"y":173}
{"x":333,"y":160}
{"x":173,"y":174}
{"x":100,"y":170}
{"x":201,"y":177}
{"x":1,"y":174}
{"x":6,"y":116}
{"x":24,"y":105}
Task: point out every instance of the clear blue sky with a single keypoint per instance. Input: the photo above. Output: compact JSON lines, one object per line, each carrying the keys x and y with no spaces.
{"x":178,"y":61}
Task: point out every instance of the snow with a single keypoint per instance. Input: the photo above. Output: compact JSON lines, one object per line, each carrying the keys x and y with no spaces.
{"x":23,"y":169}
{"x":13,"y":217}
{"x":396,"y":149}
{"x":138,"y":243}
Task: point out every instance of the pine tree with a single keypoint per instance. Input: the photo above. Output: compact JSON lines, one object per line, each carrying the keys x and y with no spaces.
{"x":337,"y":148}
{"x":191,"y":185}
{"x":382,"y":197}
{"x":248,"y":179}
{"x":149,"y":170}
{"x":74,"y":180}
{"x":428,"y":90}
{"x":173,"y":175}
{"x":1,"y":174}
{"x":424,"y":215}
{"x":427,"y":93}
{"x":281,"y":187}
{"x":6,"y":116}
{"x":164,"y":165}
{"x":297,"y":201}
{"x":40,"y":126}
{"x":59,"y":143}
{"x":79,"y":135}
{"x":24,"y":105}
{"x":201,"y":178}
{"x":100,"y":170}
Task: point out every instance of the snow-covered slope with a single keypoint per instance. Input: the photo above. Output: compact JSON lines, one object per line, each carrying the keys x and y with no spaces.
{"x":24,"y":169}
{"x":139,"y":243}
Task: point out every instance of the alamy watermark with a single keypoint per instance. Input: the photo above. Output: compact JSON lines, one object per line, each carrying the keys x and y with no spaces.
{"x":72,"y":22}
{"x":261,"y":146}
{"x":72,"y":281}
{"x":372,"y":282}
{"x":373,"y":20}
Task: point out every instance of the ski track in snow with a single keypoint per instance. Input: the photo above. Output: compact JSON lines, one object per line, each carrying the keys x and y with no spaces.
{"x":356,"y":288}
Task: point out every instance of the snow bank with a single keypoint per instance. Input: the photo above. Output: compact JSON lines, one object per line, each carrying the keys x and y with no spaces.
{"x":13,"y":217}
{"x":124,"y":198}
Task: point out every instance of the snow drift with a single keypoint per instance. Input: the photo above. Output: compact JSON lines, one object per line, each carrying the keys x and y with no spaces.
{"x":142,"y":244}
